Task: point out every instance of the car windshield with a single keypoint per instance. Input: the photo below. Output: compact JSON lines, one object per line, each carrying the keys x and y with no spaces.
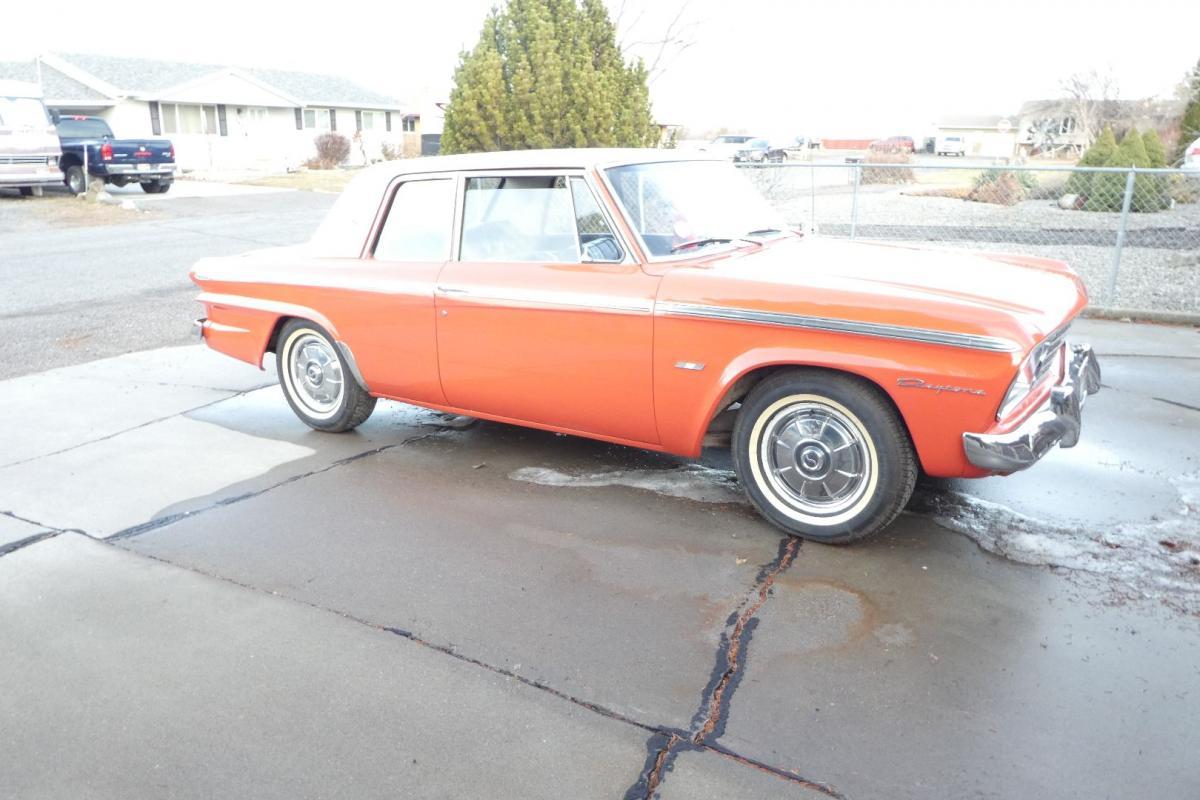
{"x":22,"y":112}
{"x":73,"y":128}
{"x":675,"y":203}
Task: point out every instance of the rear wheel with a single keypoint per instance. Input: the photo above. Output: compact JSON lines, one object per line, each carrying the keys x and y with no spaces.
{"x":156,"y":187}
{"x":823,"y":456}
{"x":318,"y":385}
{"x":74,"y":179}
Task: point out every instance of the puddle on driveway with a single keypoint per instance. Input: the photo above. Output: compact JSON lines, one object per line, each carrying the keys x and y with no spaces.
{"x":1158,"y":559}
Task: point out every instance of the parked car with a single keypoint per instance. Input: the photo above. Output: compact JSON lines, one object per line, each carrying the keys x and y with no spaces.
{"x":656,"y":300}
{"x":950,"y":146}
{"x":893,"y":144}
{"x":1191,"y":157}
{"x":755,"y":151}
{"x":727,"y":146}
{"x":29,"y":150}
{"x":148,"y":162}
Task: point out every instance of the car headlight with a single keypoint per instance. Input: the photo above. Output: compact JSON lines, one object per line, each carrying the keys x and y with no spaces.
{"x":1043,"y":360}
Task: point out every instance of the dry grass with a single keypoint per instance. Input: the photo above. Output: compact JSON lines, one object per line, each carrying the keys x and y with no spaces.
{"x":307,"y":180}
{"x":60,"y":210}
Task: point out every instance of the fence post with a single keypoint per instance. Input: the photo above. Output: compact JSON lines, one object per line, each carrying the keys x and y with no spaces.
{"x":812,"y":197}
{"x":854,"y":199}
{"x":1111,"y":298}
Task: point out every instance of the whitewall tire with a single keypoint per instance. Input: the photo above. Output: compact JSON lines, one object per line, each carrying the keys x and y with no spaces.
{"x":823,"y":455}
{"x":318,"y":385}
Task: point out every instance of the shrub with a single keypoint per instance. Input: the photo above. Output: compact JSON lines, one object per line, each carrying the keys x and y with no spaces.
{"x":389,"y":152}
{"x":1002,"y":187}
{"x":332,"y":149}
{"x":888,"y":175}
{"x":1096,"y":156}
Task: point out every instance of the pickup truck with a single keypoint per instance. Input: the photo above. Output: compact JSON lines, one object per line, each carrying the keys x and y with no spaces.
{"x":149,"y":162}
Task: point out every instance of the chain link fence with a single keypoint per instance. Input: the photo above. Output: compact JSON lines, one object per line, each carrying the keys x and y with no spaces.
{"x":1133,"y":235}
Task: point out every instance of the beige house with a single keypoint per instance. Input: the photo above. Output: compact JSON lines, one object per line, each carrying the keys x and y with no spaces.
{"x":988,"y":136}
{"x":224,"y":117}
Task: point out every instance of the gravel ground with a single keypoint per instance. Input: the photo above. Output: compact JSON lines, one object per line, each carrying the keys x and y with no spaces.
{"x":1160,"y":262}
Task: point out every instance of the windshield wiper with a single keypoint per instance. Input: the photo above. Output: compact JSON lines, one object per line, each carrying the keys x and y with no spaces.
{"x":707,"y":240}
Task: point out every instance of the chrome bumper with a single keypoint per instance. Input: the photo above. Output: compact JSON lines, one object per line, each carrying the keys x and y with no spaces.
{"x":1055,"y":423}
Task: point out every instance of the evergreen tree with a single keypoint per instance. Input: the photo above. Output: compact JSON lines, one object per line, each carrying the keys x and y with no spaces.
{"x":1189,"y":126}
{"x":1096,"y":156}
{"x":1154,"y":149}
{"x":1152,"y":192}
{"x":547,"y":73}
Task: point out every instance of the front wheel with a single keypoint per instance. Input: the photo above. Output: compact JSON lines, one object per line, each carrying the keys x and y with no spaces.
{"x":316,"y":382}
{"x":823,"y":456}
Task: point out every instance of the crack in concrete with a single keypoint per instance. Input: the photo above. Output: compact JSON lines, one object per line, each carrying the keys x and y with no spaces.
{"x":47,"y":532}
{"x":710,"y":719}
{"x":664,"y":744}
{"x":235,"y":394}
{"x":170,"y":519}
{"x":733,"y":646}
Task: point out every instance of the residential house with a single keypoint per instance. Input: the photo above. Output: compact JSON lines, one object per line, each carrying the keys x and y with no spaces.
{"x":1052,"y":127}
{"x":987,"y":136}
{"x":223,"y":117}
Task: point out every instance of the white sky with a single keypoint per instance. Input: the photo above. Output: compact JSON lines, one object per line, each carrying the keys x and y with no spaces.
{"x":853,"y":69}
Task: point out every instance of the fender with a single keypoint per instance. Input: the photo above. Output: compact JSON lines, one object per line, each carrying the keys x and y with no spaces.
{"x":934,"y":420}
{"x":243,"y":325}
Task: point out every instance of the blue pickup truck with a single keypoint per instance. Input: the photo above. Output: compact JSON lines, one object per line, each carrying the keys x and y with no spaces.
{"x":149,"y":162}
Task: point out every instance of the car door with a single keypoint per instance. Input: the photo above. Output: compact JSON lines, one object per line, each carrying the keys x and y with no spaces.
{"x":384,"y":303}
{"x":544,"y":318}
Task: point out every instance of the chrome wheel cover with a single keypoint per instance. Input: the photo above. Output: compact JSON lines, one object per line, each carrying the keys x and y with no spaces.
{"x":815,"y":458}
{"x":315,"y":374}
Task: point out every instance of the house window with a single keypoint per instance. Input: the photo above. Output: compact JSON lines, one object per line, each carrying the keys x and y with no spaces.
{"x":410,"y":124}
{"x":180,"y":118}
{"x":1066,"y":125}
{"x":373,"y":121}
{"x":316,"y":118}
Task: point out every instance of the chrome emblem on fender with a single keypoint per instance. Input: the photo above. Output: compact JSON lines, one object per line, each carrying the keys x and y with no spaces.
{"x":917,"y":383}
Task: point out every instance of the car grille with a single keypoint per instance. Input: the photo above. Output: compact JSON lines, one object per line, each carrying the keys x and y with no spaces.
{"x":25,"y":159}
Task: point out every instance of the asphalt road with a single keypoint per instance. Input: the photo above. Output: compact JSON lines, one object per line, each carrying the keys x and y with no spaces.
{"x":200,"y":597}
{"x":73,"y":293}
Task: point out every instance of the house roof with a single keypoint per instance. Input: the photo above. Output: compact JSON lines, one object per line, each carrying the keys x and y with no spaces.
{"x":56,"y":87}
{"x":146,"y":77}
{"x":978,"y":121}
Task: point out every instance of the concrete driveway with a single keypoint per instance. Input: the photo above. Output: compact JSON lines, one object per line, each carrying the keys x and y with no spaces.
{"x":200,"y":597}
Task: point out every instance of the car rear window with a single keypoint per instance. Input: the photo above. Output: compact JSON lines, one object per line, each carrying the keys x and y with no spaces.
{"x":73,"y":128}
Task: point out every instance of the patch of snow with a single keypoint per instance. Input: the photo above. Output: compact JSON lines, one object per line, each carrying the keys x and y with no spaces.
{"x":689,"y":481}
{"x":1157,"y":559}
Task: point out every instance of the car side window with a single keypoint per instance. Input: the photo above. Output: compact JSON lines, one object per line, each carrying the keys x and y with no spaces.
{"x":596,"y":239}
{"x":419,"y":222}
{"x":519,"y":218}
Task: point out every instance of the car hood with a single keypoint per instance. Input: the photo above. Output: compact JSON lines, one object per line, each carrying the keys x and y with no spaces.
{"x":1018,"y":298}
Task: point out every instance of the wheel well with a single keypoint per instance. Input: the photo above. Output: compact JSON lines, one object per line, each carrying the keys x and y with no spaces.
{"x":69,"y":160}
{"x":273,"y":339}
{"x":720,"y":427}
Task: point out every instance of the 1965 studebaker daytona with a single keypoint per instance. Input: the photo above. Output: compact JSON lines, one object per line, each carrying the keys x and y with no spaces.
{"x":659,"y":301}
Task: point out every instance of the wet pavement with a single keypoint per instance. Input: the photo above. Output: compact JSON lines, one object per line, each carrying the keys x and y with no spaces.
{"x":200,"y":597}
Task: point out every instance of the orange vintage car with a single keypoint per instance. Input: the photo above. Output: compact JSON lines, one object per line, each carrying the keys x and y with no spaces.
{"x":656,"y":300}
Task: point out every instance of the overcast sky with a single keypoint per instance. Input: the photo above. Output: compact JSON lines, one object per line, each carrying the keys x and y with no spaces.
{"x":774,"y":67}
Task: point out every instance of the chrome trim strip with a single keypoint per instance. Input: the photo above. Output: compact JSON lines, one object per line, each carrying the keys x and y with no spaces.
{"x":348,"y":357}
{"x":692,"y":365}
{"x":549,"y":300}
{"x":903,"y":333}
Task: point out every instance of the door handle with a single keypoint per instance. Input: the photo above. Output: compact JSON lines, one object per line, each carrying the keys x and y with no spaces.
{"x":451,"y":290}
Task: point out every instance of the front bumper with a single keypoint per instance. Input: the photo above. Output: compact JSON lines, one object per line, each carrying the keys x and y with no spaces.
{"x":1057,"y":422}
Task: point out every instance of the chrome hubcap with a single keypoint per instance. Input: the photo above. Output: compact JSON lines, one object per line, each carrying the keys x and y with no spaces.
{"x":316,"y":374}
{"x":815,"y":458}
